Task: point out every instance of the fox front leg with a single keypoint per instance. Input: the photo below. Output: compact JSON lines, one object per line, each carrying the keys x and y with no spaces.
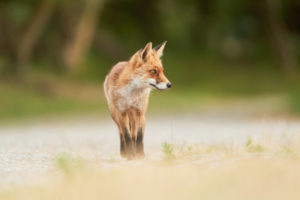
{"x":126,"y":143}
{"x":137,"y":125}
{"x":140,"y":139}
{"x":140,"y":144}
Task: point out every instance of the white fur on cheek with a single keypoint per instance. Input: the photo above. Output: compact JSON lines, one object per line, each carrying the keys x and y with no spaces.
{"x":152,"y":81}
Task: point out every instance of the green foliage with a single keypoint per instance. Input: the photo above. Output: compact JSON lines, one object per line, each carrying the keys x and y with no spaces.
{"x":294,"y":101}
{"x":19,"y":102}
{"x":168,"y":151}
{"x":69,"y":164}
{"x":252,"y":147}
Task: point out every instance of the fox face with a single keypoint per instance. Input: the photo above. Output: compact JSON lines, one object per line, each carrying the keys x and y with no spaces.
{"x":148,"y":68}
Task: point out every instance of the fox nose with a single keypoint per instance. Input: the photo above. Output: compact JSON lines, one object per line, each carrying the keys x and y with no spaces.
{"x":169,"y":85}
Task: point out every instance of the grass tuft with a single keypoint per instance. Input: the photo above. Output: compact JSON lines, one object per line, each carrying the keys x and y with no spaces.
{"x":252,"y":147}
{"x":168,"y":151}
{"x":69,"y":164}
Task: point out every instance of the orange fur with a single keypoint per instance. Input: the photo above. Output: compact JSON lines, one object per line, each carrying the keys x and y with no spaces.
{"x":127,"y":88}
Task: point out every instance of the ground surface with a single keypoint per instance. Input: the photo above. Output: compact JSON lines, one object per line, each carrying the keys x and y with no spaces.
{"x":28,"y":151}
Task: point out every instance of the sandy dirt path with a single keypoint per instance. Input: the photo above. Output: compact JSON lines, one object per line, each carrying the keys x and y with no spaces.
{"x":28,"y":150}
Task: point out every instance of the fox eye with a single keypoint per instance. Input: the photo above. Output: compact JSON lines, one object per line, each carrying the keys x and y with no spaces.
{"x":153,"y":71}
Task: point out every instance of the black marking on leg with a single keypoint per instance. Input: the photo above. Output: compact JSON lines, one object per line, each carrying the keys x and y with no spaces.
{"x":129,"y":145}
{"x":139,"y":138}
{"x":140,"y":144}
{"x":122,"y":146}
{"x":127,"y":136}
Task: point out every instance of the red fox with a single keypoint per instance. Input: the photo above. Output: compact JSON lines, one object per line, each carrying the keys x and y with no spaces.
{"x":127,"y":87}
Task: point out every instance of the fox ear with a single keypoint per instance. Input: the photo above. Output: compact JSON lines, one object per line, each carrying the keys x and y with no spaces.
{"x":146,"y":51}
{"x":160,"y":49}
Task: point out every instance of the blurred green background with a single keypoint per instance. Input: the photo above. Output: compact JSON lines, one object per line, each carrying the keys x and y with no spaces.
{"x":54,"y":55}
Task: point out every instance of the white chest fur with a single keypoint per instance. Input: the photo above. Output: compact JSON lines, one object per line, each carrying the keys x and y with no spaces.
{"x":134,"y":94}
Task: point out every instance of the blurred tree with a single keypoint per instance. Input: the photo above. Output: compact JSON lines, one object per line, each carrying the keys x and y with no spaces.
{"x":31,"y":35}
{"x":203,"y":24}
{"x":83,"y":35}
{"x":50,"y":33}
{"x":279,"y":39}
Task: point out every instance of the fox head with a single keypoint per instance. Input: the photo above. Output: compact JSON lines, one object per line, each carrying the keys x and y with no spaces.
{"x":148,"y":69}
